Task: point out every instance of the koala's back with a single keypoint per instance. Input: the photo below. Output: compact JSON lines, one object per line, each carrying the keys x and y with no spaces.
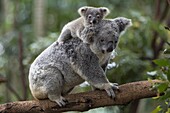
{"x":53,"y":63}
{"x":75,"y":26}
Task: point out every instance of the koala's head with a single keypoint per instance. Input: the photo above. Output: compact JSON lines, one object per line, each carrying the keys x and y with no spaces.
{"x":93,"y":15}
{"x":106,"y":37}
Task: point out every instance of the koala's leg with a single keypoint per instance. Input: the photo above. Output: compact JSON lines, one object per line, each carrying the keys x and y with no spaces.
{"x":87,"y":34}
{"x":54,"y":86}
{"x":87,"y":66}
{"x":104,"y":66}
{"x":97,"y":78}
{"x":65,"y":35}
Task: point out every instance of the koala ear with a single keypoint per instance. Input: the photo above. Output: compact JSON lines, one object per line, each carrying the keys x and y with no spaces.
{"x":105,"y":11}
{"x":82,"y":10}
{"x":123,"y":23}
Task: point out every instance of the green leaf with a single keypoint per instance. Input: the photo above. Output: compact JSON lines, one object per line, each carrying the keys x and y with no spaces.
{"x":162,"y":87}
{"x":168,"y":75}
{"x":157,"y":109}
{"x":162,"y":62}
{"x":166,"y":96}
{"x":168,"y":111}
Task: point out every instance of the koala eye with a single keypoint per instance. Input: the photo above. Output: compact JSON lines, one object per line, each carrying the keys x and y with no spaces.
{"x":89,"y":16}
{"x":110,"y":41}
{"x":98,"y":16}
{"x":116,"y":39}
{"x":101,"y":40}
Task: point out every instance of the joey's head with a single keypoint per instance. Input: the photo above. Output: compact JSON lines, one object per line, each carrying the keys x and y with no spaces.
{"x":93,"y":15}
{"x":106,"y":37}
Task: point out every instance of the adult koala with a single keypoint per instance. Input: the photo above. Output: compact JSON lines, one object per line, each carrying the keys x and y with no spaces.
{"x":104,"y":38}
{"x":59,"y":68}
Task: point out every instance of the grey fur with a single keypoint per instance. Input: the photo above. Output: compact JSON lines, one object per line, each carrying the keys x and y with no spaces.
{"x":59,"y":68}
{"x":108,"y":30}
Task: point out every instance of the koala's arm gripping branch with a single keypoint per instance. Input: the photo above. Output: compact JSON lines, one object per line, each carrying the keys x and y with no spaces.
{"x":85,"y":101}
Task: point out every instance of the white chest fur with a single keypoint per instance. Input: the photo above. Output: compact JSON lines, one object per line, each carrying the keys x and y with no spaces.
{"x":103,"y":58}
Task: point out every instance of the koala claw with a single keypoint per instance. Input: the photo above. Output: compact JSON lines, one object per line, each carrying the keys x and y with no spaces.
{"x":61,"y":101}
{"x":110,"y":92}
{"x":115,"y":84}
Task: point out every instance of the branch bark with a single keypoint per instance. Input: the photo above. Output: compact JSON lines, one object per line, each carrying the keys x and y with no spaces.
{"x":85,"y":101}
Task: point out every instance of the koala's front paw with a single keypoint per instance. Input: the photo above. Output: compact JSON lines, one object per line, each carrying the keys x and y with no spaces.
{"x":109,"y":89}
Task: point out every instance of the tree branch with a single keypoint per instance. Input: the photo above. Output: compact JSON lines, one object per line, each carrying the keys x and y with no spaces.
{"x":85,"y":101}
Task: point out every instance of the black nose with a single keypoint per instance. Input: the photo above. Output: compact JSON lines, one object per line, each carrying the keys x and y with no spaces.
{"x":110,"y":49}
{"x":94,"y":21}
{"x":103,"y":51}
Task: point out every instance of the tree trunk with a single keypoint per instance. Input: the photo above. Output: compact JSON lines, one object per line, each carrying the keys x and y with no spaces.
{"x":85,"y":101}
{"x":39,"y":17}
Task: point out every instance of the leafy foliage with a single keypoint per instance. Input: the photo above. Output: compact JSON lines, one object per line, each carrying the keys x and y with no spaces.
{"x":163,"y":73}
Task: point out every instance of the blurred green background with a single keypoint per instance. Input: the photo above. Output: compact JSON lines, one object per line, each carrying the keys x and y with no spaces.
{"x":27,"y":27}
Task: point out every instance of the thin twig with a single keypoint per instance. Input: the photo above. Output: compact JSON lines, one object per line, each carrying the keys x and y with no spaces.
{"x":168,"y":2}
{"x":157,"y":13}
{"x":157,"y":47}
{"x":21,"y":66}
{"x":14,"y":92}
{"x":165,"y":12}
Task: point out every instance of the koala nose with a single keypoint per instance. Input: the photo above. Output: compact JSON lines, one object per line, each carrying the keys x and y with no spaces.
{"x":110,"y":46}
{"x":94,"y":21}
{"x":110,"y":49}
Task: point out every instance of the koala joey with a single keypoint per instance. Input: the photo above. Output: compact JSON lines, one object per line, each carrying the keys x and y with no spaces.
{"x":90,"y":16}
{"x":59,"y":68}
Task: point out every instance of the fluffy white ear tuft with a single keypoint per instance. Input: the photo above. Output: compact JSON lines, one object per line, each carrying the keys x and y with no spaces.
{"x":105,"y":11}
{"x":123,"y":23}
{"x":82,"y":10}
